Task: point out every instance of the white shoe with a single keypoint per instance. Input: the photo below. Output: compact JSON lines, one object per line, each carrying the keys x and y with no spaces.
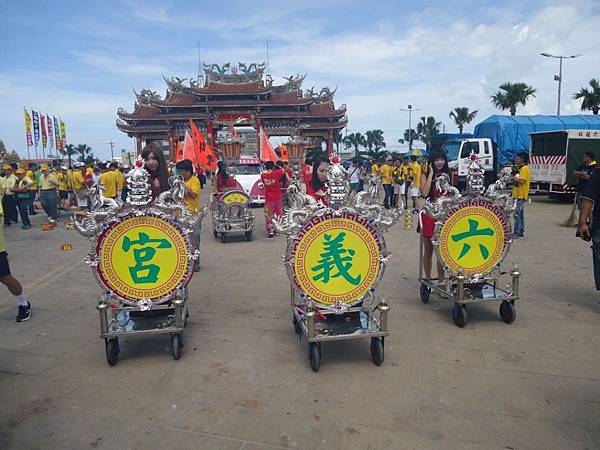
{"x":51,"y":221}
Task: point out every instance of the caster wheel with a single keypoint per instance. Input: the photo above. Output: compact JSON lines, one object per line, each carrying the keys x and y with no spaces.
{"x":314,"y":356}
{"x":507,"y":311}
{"x":112,"y":351}
{"x":223,"y":238}
{"x":297,"y":327}
{"x":377,"y":353}
{"x":248,"y":235}
{"x":459,"y":315}
{"x":425,"y":292}
{"x":215,"y":234}
{"x":176,"y":345}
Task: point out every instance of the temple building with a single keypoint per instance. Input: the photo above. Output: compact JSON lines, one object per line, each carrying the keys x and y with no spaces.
{"x":233,"y":95}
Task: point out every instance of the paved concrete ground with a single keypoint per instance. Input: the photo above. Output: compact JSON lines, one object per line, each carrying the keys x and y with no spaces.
{"x":244,"y":381}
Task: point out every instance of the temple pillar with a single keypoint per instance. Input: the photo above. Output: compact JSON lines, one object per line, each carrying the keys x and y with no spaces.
{"x":138,"y":144}
{"x":329,"y":149}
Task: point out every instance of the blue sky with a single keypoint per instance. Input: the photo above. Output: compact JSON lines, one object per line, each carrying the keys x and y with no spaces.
{"x":80,"y":60}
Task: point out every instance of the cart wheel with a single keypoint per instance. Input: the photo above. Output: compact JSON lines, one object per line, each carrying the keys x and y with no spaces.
{"x":297,"y":327}
{"x":223,"y":238}
{"x":176,"y":345}
{"x":425,"y":292}
{"x":459,"y":315}
{"x":314,"y":356}
{"x":377,"y":353}
{"x":507,"y":311}
{"x":215,"y":234}
{"x":248,"y":235}
{"x":112,"y":351}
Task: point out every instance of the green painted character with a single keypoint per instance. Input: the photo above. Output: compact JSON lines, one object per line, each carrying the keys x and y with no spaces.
{"x":335,"y":256}
{"x":142,"y":272}
{"x":473,"y":231}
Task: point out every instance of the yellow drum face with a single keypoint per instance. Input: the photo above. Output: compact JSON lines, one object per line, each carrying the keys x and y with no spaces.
{"x":234,"y":197}
{"x":473,"y":238}
{"x":337,"y":259}
{"x":143,"y":257}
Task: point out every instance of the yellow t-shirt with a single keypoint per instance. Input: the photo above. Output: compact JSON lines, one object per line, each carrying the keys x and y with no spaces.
{"x":109,"y":181}
{"x":62,"y":181}
{"x":77,"y":180}
{"x":31,"y":175}
{"x":120,"y":180}
{"x":521,"y":191}
{"x":193,"y":184}
{"x":416,"y":174}
{"x":387,"y":174}
{"x":48,"y":182}
{"x":9,"y":182}
{"x":374,"y":169}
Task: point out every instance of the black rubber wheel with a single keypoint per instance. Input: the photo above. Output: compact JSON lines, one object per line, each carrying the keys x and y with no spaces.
{"x":176,"y":345}
{"x":112,"y":351}
{"x":215,"y":234}
{"x":297,"y":327}
{"x":507,"y":311}
{"x":223,"y":237}
{"x":377,"y":351}
{"x":248,"y":235}
{"x":459,"y":315}
{"x":425,"y":293}
{"x":314,"y":356}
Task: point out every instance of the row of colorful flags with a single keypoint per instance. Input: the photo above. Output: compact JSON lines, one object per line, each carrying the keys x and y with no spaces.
{"x":196,"y":148}
{"x":51,"y":130}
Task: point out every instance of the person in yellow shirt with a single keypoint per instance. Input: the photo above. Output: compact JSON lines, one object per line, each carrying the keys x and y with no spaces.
{"x":21,"y":191}
{"x":185,"y":168}
{"x":78,"y":185}
{"x":387,"y":179}
{"x":415,"y":181}
{"x":34,"y":175}
{"x":48,"y":196}
{"x":374,"y":168}
{"x":9,"y":202}
{"x":404,"y":173}
{"x":109,"y":181}
{"x":8,"y":280}
{"x":520,"y":193}
{"x":63,"y":190}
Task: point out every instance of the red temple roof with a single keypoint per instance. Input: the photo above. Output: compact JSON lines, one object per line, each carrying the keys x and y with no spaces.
{"x":232,"y":89}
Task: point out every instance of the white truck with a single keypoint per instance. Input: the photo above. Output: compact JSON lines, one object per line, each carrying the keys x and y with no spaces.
{"x":485,"y":151}
{"x":554,"y":155}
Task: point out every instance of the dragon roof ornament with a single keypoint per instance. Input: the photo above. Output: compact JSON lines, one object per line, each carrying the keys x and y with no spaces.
{"x":228,"y":74}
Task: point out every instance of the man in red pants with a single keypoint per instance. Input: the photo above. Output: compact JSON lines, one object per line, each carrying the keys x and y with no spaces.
{"x":271,"y":178}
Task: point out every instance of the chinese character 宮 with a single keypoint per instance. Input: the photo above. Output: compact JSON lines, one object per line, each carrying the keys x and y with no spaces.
{"x":473,"y":231}
{"x":335,"y":258}
{"x":143,"y":271}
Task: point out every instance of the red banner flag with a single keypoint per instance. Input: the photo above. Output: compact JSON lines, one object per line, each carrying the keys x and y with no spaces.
{"x":284,"y":152}
{"x":267,"y":153}
{"x":205,"y":155}
{"x":189,"y":152}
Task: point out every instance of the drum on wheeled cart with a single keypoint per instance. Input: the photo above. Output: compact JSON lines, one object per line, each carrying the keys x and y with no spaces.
{"x":472,"y":237}
{"x":231,"y":214}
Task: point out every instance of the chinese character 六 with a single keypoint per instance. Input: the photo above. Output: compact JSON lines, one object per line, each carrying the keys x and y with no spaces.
{"x":335,"y":256}
{"x":142,"y":272}
{"x":473,"y":231}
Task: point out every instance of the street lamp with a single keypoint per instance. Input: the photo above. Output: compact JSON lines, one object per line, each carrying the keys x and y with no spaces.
{"x":410,"y":110}
{"x":559,"y":76}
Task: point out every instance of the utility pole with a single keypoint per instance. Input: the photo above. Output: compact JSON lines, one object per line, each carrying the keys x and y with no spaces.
{"x":410,"y":110}
{"x":112,"y":150}
{"x":559,"y":76}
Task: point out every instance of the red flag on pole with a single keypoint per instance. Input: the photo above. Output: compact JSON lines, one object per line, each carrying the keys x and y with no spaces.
{"x":267,"y":153}
{"x":189,"y":151}
{"x":284,"y":152}
{"x":205,"y":155}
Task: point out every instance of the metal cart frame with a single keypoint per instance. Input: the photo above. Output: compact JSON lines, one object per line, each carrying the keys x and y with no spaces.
{"x":225,"y":221}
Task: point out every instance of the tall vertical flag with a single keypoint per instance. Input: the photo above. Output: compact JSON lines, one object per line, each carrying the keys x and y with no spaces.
{"x":28,"y":128}
{"x":205,"y":155}
{"x":189,"y":151}
{"x":36,"y":127}
{"x":43,"y":126}
{"x":267,"y":153}
{"x":63,"y":134}
{"x":57,"y":139}
{"x":50,"y":133}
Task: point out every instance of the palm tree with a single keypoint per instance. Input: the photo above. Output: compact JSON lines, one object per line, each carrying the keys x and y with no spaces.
{"x":375,"y":139}
{"x":70,"y":151}
{"x":409,"y":136}
{"x":355,"y":140}
{"x":426,"y":128}
{"x":590,"y":99}
{"x":462,"y":116}
{"x":85,"y":154}
{"x":513,"y":95}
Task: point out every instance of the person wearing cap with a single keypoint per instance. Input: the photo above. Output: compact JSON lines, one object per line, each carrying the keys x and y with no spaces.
{"x":13,"y":285}
{"x":34,"y":175}
{"x":21,"y":192}
{"x":48,"y":197}
{"x":78,"y":185}
{"x":9,"y":203}
{"x":63,"y":190}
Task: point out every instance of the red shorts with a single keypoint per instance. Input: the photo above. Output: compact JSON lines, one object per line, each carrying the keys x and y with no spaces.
{"x":427,"y":225}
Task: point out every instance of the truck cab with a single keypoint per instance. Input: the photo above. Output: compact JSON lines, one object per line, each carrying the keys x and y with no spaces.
{"x":483,"y":149}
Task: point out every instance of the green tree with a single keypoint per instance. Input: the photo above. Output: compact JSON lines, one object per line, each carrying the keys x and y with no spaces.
{"x":512,"y":95}
{"x":85,"y":154}
{"x":590,"y":99}
{"x":337,"y":140}
{"x":409,"y":136}
{"x":462,"y":116}
{"x":376,"y":154}
{"x":374,"y":138}
{"x":355,"y":140}
{"x":426,"y":128}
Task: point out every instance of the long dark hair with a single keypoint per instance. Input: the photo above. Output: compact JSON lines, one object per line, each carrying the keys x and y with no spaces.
{"x":222,"y":172}
{"x":438,"y":155}
{"x":162,"y":173}
{"x":315,"y":182}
